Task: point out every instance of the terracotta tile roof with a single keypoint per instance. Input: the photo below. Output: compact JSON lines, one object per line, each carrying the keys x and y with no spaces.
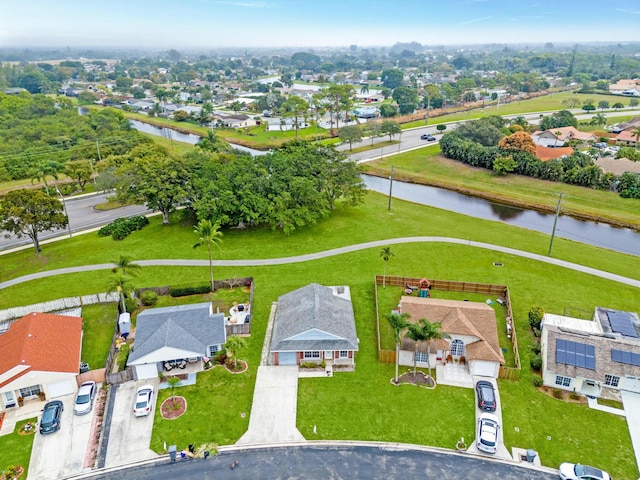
{"x":546,"y":153}
{"x":460,"y":318}
{"x":627,"y":136}
{"x":567,"y":133}
{"x":42,"y":342}
{"x":618,"y":166}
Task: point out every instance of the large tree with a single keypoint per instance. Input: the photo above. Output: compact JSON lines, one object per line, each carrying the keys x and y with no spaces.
{"x":391,"y":128}
{"x":29,"y":212}
{"x":392,"y":78}
{"x":208,"y":234}
{"x":399,"y":322}
{"x":519,"y":141}
{"x":563,"y":118}
{"x":418,"y":332}
{"x":406,"y":98}
{"x":350,"y":134}
{"x":295,"y":107}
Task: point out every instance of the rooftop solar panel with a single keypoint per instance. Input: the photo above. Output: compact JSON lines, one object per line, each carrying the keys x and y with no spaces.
{"x":575,"y":354}
{"x":622,"y":323}
{"x":621,"y":356}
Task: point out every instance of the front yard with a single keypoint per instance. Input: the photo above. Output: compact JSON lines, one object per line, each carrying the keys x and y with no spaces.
{"x":15,"y":449}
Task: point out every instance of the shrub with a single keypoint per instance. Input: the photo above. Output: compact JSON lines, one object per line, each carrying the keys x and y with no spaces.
{"x":309,"y":365}
{"x":535,"y":348}
{"x":123,"y":354}
{"x":221,"y":357}
{"x":535,"y":317}
{"x":148,"y":298}
{"x":537,"y":381}
{"x":557,"y":393}
{"x":120,"y":228}
{"x":323,"y":364}
{"x":130,"y":304}
{"x":184,"y":290}
{"x":574,"y":396}
{"x":536,"y":363}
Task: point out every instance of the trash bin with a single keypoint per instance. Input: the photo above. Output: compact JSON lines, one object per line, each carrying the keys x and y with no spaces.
{"x":173,"y":451}
{"x":531,"y":455}
{"x":84,"y":367}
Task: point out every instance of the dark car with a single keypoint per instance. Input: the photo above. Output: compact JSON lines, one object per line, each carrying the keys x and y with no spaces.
{"x":486,"y":396}
{"x":51,"y":414}
{"x":428,"y":137}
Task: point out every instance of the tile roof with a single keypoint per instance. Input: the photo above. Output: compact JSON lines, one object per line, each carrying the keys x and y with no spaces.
{"x":460,"y":318}
{"x":618,"y":166}
{"x":42,"y":342}
{"x":545,"y":153}
{"x":627,"y":136}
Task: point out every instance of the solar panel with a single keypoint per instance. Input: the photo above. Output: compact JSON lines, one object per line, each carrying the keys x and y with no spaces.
{"x":622,"y":323}
{"x":576,"y":354}
{"x":621,"y":356}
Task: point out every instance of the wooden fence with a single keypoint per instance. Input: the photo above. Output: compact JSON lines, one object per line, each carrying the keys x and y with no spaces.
{"x":97,"y":376}
{"x":125,"y":375}
{"x":240,"y":330}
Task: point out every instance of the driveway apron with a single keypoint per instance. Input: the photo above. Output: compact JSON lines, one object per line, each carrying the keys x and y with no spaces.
{"x":631,"y":402}
{"x":273,"y":413}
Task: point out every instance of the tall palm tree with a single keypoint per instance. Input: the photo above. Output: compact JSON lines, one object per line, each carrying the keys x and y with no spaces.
{"x":123,"y":263}
{"x":208,"y":234}
{"x":398,"y":322}
{"x":43,"y":168}
{"x":122,"y":284}
{"x":418,"y":332}
{"x":386,"y":254}
{"x":434,"y":332}
{"x":636,"y":133}
{"x":364,"y":89}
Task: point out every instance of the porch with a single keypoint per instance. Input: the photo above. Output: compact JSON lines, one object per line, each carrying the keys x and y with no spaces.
{"x":454,"y":374}
{"x":30,"y":409}
{"x":182,"y":366}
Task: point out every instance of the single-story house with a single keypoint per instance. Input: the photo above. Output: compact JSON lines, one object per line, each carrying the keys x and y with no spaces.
{"x":545,"y":153}
{"x":314,"y":324}
{"x":471,"y":327}
{"x":618,"y":166}
{"x":285,"y":124}
{"x":627,"y":138}
{"x":236,"y":121}
{"x":585,"y":356}
{"x":557,"y":137}
{"x":175,"y":336}
{"x":624,"y":85}
{"x":39,"y":353}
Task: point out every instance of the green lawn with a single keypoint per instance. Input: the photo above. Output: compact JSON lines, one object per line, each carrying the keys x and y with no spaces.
{"x":15,"y":449}
{"x":98,"y":325}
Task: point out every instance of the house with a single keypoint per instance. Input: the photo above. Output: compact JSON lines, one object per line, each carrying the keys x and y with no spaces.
{"x":236,"y":121}
{"x":40,"y":354}
{"x":557,"y":137}
{"x":618,"y":166}
{"x":314,"y":324}
{"x":471,"y":327}
{"x":625,"y":85}
{"x":172,"y":337}
{"x":285,"y":124}
{"x":585,"y":356}
{"x":627,"y":138}
{"x":545,"y":153}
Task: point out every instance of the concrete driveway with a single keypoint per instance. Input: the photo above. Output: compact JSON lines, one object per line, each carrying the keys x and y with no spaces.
{"x":130,"y":436}
{"x":631,"y":402}
{"x":273,"y":412}
{"x":502,"y":451}
{"x":62,"y":453}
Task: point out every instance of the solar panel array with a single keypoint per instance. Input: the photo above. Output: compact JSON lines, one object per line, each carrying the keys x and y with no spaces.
{"x":575,"y":354}
{"x":630,"y":358}
{"x":621,"y":322}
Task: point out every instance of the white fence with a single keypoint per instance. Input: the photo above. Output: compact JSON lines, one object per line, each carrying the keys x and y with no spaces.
{"x":56,"y":305}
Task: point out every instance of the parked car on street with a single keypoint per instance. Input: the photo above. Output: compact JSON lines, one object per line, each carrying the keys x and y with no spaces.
{"x":487,"y":437}
{"x":142,"y":405}
{"x":575,"y":471}
{"x":486,"y":396}
{"x":84,"y":399}
{"x":50,"y":421}
{"x":427,"y":137}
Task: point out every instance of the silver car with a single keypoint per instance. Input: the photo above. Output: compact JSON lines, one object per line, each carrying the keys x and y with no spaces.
{"x":143,"y":403}
{"x":84,"y":399}
{"x":488,"y":428}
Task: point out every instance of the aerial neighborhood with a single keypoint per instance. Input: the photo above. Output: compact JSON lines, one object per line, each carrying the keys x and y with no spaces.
{"x":410,"y":248}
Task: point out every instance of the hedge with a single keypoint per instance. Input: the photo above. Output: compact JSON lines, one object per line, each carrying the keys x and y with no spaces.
{"x":184,"y":290}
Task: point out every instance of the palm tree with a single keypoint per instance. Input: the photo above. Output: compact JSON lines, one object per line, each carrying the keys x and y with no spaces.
{"x":434,"y":332}
{"x":123,"y":263}
{"x":636,"y":133}
{"x":42,"y":168}
{"x":122,"y":284}
{"x":386,"y":254}
{"x":173,"y":382}
{"x":418,"y":332}
{"x":364,"y":90}
{"x":398,"y":322}
{"x":234,"y":345}
{"x":208,"y":234}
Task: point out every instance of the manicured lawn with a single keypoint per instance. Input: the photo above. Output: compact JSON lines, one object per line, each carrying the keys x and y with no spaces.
{"x":15,"y":449}
{"x":99,"y":322}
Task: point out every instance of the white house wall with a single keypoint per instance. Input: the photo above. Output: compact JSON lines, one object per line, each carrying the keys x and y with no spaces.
{"x":164,"y":354}
{"x":39,"y":378}
{"x":406,"y":359}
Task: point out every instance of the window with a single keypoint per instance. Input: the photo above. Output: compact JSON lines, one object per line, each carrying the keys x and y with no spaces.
{"x":344,"y":354}
{"x":611,"y":380}
{"x":457,"y":348}
{"x":421,"y":357}
{"x":213,"y":349}
{"x":31,"y":391}
{"x":315,"y":354}
{"x":563,"y":381}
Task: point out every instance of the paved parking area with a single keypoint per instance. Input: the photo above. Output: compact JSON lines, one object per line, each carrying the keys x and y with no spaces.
{"x":62,"y":453}
{"x":502,"y":452}
{"x":273,"y":412}
{"x":130,"y":436}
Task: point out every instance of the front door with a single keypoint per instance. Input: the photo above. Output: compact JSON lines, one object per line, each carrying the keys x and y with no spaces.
{"x":9,"y":399}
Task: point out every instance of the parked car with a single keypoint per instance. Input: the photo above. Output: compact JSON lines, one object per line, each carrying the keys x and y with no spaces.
{"x":487,"y":437}
{"x":142,"y":405}
{"x":427,"y":137}
{"x":575,"y":471}
{"x":84,"y":399}
{"x":601,"y":145}
{"x":486,"y":396}
{"x":50,"y":421}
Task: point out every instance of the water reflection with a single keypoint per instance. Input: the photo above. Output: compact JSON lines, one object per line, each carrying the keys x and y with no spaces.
{"x":505,"y":212}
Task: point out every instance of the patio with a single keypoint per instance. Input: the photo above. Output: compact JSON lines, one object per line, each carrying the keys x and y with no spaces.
{"x":182,"y":366}
{"x":30,"y":409}
{"x":454,"y":374}
{"x":238,"y":314}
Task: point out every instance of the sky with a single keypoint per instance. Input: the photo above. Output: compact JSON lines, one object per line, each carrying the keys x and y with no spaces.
{"x":307,"y":23}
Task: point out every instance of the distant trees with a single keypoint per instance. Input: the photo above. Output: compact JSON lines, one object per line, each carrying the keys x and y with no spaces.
{"x":406,"y":98}
{"x":563,"y":118}
{"x":603,"y":105}
{"x":295,"y":107}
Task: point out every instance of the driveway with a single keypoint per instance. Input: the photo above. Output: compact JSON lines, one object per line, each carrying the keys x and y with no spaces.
{"x":273,"y":412}
{"x":62,"y":453}
{"x":631,"y":402}
{"x":130,"y":436}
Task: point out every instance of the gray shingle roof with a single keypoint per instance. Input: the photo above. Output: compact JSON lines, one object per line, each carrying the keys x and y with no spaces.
{"x":313,"y":318}
{"x":185,"y":327}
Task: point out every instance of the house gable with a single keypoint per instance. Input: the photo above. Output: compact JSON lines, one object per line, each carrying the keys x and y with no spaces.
{"x":314,"y":334}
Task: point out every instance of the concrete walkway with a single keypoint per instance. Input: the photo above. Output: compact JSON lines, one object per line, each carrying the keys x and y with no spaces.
{"x":593,"y":403}
{"x":328,"y":253}
{"x":273,"y":412}
{"x":631,"y":402}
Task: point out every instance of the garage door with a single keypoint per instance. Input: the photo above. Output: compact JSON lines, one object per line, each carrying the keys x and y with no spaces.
{"x":58,"y":389}
{"x":632,"y":384}
{"x":483,"y":369}
{"x":287,"y":358}
{"x":148,"y":370}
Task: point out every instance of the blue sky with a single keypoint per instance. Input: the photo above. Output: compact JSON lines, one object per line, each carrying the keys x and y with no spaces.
{"x":271,"y":23}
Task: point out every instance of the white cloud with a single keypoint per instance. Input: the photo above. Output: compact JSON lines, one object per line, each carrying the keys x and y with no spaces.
{"x":475,"y":20}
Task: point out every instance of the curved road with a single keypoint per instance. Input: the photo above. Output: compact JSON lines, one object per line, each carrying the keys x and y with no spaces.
{"x":328,"y":253}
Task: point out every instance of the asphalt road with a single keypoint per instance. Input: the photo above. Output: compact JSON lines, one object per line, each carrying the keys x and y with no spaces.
{"x":82,"y":217}
{"x":332,"y":462}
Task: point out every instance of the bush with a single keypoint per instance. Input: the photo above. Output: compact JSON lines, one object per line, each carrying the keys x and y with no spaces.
{"x":537,"y":381}
{"x":574,"y":396}
{"x":536,"y":363}
{"x":535,"y":348}
{"x":120,"y":228}
{"x":130,"y":304}
{"x":123,"y":355}
{"x":184,"y":290}
{"x":308,"y":365}
{"x":148,"y":298}
{"x":535,"y":317}
{"x":557,"y":393}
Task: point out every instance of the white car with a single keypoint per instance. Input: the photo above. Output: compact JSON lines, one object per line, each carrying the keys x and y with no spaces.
{"x":143,"y":403}
{"x":575,"y":471}
{"x":84,"y":399}
{"x":487,"y":437}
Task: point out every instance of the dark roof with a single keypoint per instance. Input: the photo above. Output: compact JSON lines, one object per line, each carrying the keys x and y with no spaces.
{"x":185,"y":327}
{"x":313,"y":318}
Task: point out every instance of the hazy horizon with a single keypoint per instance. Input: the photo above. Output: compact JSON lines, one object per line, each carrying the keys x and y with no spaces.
{"x":302,"y":23}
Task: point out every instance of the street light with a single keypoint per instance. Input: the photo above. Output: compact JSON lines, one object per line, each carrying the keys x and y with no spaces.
{"x":64,"y":206}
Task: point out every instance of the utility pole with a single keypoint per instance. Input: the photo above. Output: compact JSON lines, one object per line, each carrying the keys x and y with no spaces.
{"x":98,"y":147}
{"x":64,"y":205}
{"x":555,"y":223}
{"x":390,"y":186}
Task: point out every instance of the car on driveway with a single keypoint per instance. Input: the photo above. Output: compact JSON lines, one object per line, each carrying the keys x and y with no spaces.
{"x":50,"y":421}
{"x":575,"y":471}
{"x":487,"y":437}
{"x":84,"y":398}
{"x":486,"y":396}
{"x":427,"y":137}
{"x":143,"y":403}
